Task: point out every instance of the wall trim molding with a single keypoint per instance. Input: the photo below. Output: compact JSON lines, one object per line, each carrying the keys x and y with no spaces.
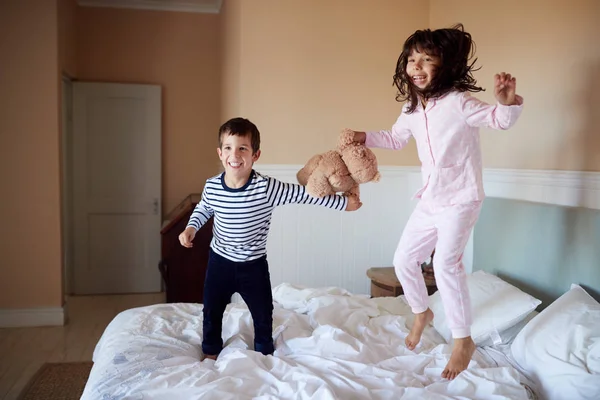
{"x":33,"y":317}
{"x":206,"y":6}
{"x":562,"y":188}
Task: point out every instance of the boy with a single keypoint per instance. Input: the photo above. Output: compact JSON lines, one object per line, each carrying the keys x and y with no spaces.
{"x":242,"y":202}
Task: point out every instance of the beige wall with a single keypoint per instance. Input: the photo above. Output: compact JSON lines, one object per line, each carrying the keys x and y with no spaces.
{"x":552,"y":47}
{"x":29,"y":161}
{"x":180,"y":52}
{"x":230,"y":47}
{"x":302,"y":70}
{"x":307,"y":69}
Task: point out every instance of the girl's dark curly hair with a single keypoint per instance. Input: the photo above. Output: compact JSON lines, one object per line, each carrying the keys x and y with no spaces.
{"x":455,"y":48}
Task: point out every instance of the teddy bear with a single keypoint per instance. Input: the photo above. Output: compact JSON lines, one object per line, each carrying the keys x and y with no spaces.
{"x":340,"y":170}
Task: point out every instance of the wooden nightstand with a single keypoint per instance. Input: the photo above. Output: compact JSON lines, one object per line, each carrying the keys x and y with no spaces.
{"x":384,"y":282}
{"x":182,"y":269}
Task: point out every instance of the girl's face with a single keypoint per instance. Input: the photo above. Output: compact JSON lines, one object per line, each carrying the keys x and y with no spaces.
{"x":421,"y":68}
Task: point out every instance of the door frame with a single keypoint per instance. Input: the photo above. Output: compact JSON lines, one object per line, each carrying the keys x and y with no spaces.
{"x":153,"y":93}
{"x":66,"y":151}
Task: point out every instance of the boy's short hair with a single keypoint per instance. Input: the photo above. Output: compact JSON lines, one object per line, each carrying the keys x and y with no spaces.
{"x":241,"y":127}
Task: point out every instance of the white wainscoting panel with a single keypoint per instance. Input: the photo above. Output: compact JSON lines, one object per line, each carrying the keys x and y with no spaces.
{"x":316,"y":247}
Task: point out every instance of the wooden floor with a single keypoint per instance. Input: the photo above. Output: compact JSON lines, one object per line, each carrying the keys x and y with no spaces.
{"x":24,"y":350}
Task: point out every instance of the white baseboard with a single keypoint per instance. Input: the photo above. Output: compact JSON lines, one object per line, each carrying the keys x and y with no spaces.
{"x":32,"y":317}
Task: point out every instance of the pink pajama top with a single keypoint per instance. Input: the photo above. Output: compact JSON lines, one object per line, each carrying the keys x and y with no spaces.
{"x":447,"y":136}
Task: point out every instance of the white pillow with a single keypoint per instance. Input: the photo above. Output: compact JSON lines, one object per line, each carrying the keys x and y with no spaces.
{"x":507,"y":335}
{"x":560,"y":348}
{"x":496,"y":307}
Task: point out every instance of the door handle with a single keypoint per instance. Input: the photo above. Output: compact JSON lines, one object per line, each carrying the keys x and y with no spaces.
{"x":155,"y":206}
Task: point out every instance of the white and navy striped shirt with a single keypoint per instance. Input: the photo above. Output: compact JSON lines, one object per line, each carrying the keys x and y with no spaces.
{"x":242,"y":217}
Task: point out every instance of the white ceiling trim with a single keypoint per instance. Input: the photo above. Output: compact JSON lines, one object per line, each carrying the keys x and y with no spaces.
{"x":205,"y":6}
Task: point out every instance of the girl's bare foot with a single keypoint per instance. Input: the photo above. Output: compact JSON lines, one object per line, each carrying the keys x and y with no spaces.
{"x":461,"y":357}
{"x":211,"y":356}
{"x":421,"y":321}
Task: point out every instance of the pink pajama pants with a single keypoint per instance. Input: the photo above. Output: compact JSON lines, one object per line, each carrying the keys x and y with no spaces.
{"x":447,"y":229}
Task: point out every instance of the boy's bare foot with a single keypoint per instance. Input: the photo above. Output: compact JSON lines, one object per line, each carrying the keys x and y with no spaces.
{"x":210,"y":356}
{"x":421,"y":321}
{"x":461,"y":356}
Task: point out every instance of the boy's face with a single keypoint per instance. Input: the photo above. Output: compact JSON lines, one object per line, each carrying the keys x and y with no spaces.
{"x":236,"y":155}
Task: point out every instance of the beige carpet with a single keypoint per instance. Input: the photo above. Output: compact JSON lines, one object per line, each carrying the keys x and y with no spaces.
{"x":58,"y":381}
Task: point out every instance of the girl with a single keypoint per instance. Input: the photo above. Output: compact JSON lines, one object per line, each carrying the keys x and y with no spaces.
{"x":434,"y":77}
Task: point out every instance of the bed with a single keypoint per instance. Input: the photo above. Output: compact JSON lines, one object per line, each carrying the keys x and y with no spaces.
{"x":330,"y":344}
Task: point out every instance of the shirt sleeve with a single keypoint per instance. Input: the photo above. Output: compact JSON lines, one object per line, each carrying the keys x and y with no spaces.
{"x":202,"y":212}
{"x":396,"y":138}
{"x":281,"y":193}
{"x":497,"y":116}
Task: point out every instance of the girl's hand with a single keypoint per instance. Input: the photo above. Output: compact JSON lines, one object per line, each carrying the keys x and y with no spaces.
{"x":359,"y":137}
{"x":505,"y":88}
{"x":186,"y":237}
{"x":348,"y":136}
{"x":353,"y":203}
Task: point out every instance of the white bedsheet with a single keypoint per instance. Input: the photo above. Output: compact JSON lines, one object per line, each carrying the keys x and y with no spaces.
{"x":329,"y":345}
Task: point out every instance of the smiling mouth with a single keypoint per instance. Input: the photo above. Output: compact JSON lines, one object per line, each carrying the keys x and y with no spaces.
{"x":235,"y":164}
{"x":419,"y":79}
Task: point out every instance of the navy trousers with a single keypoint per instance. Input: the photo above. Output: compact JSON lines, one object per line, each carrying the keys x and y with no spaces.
{"x":252,"y":281}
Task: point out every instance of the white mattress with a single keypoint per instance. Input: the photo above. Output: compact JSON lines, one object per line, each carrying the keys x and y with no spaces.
{"x":329,"y":345}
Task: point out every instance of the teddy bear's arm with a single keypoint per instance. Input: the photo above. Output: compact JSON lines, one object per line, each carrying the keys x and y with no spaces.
{"x":308,"y":169}
{"x":354,"y":191}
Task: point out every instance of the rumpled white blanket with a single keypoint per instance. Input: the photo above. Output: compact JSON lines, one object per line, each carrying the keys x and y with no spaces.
{"x":329,"y":345}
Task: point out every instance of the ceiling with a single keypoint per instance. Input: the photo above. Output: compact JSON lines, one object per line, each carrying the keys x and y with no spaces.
{"x":197,"y":6}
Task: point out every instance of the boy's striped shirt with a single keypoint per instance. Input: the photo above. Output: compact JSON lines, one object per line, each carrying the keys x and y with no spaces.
{"x":242,"y":217}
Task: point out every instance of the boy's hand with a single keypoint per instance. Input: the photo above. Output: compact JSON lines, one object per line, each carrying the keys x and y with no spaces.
{"x":505,"y":88}
{"x":186,"y":237}
{"x":353,"y":203}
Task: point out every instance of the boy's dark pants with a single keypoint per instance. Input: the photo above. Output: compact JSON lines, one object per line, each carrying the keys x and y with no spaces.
{"x":252,"y":281}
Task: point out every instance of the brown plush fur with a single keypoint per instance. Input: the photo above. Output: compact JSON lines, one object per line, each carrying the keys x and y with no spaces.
{"x":341,"y":170}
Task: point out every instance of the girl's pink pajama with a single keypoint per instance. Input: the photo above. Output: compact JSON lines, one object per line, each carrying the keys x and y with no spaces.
{"x":447,"y":229}
{"x":447,"y":135}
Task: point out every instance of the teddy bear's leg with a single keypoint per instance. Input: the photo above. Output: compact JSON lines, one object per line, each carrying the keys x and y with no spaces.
{"x":308,"y":169}
{"x":341,"y":181}
{"x":318,"y":185}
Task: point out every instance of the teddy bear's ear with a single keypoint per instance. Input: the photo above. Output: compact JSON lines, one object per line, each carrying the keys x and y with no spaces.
{"x":346,"y":137}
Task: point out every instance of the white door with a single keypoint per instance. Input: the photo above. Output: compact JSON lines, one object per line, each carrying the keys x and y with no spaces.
{"x":116,"y":188}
